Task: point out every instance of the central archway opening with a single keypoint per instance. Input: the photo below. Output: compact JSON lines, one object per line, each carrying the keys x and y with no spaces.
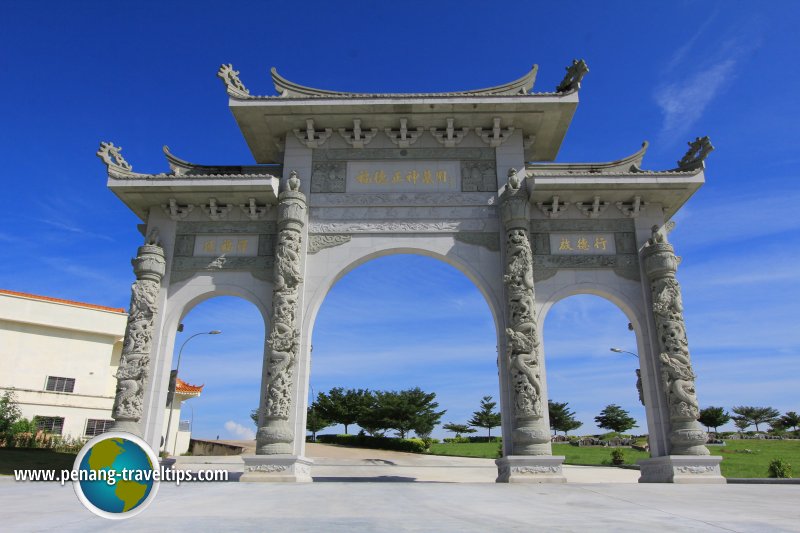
{"x":399,"y":322}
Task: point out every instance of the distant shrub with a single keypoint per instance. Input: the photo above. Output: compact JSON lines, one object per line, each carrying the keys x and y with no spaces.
{"x":617,"y":457}
{"x":457,"y":440}
{"x":485,"y":439}
{"x":378,"y":443}
{"x":779,"y":468}
{"x":428,"y":441}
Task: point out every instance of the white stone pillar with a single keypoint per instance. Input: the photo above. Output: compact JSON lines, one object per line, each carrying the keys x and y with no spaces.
{"x":133,"y":371}
{"x":689,"y":460}
{"x":275,"y":437}
{"x":532,"y":457}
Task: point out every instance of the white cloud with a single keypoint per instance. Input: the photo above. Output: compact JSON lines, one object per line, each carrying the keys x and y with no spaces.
{"x":239,"y":431}
{"x":683,"y":102}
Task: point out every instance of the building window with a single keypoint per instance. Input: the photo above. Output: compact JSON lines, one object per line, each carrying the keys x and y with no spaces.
{"x":95,"y":426}
{"x":57,"y":384}
{"x":50,"y":424}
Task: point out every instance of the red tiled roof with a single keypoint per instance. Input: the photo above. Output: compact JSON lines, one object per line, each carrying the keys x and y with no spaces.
{"x":62,"y":301}
{"x":184,"y":388}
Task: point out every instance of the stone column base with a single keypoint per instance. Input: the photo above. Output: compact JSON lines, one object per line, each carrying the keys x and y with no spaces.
{"x":530,"y":469}
{"x":681,"y":469}
{"x":276,"y":468}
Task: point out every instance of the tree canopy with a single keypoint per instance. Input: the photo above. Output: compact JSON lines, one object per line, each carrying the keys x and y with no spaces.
{"x":561,"y":417}
{"x":615,"y":418}
{"x":755,"y":415}
{"x":315,"y":421}
{"x":342,"y":406}
{"x":9,"y":413}
{"x":458,"y":429}
{"x":486,"y":417}
{"x":790,"y":420}
{"x":713,"y":417}
{"x":403,"y":411}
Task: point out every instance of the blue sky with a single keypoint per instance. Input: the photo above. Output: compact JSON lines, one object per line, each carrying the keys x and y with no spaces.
{"x":142,"y":75}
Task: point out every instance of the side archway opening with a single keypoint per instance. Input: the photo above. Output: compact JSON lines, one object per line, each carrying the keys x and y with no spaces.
{"x":591,"y":349}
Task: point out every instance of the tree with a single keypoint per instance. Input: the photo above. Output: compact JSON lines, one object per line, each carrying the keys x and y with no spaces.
{"x":561,"y":417}
{"x":713,"y":417}
{"x":343,"y":406}
{"x":458,"y":429}
{"x":790,"y":420}
{"x":402,"y":411}
{"x":615,"y":418}
{"x":486,"y":417}
{"x":9,"y":413}
{"x":741,"y":423}
{"x":315,"y":422}
{"x":254,"y":416}
{"x":756,"y":415}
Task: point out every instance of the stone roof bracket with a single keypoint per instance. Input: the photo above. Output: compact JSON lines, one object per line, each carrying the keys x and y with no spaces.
{"x":216,"y":211}
{"x":554,"y":208}
{"x":253,"y":210}
{"x":311,"y":137}
{"x":631,"y":209}
{"x":594,"y":209}
{"x":175,"y":211}
{"x":575,"y":73}
{"x":233,"y":85}
{"x":496,"y":136}
{"x":403,"y":137}
{"x":449,"y":137}
{"x":528,"y":141}
{"x":357,"y":138}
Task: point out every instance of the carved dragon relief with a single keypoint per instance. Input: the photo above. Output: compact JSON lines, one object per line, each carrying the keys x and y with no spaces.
{"x":522,"y":339}
{"x":133,"y":371}
{"x":284,"y":335}
{"x":677,"y":376}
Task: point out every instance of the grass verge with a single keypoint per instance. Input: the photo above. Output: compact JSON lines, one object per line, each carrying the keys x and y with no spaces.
{"x":33,"y":458}
{"x":741,"y":458}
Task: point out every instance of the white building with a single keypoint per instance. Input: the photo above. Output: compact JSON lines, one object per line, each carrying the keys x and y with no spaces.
{"x":60,"y":357}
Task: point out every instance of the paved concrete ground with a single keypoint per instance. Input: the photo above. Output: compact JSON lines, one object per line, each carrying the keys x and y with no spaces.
{"x":439,"y":507}
{"x":367,"y":502}
{"x":339,"y":463}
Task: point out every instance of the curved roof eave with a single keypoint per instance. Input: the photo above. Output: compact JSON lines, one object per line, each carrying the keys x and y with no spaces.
{"x":629,"y":164}
{"x":288,"y":89}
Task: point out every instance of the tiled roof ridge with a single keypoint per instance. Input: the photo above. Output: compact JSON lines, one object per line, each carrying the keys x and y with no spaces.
{"x":186,"y":388}
{"x":63,"y":301}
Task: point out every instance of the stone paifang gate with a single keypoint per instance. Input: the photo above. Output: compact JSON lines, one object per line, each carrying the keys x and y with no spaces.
{"x":466,"y":177}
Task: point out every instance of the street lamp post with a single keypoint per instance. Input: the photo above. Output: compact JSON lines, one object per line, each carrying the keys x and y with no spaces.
{"x":638,"y":373}
{"x":618,"y":350}
{"x":172,"y":385}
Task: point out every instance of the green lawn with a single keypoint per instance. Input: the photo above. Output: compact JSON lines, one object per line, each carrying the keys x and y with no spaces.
{"x":736,"y":463}
{"x":739,"y":463}
{"x":19,"y":458}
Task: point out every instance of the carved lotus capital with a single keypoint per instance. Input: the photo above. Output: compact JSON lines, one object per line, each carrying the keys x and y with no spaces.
{"x":660,"y":260}
{"x":514,"y":209}
{"x":149,"y":263}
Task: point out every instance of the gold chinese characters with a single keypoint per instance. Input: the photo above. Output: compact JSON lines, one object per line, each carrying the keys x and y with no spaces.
{"x":225,"y":246}
{"x":413,"y":177}
{"x":583,"y":244}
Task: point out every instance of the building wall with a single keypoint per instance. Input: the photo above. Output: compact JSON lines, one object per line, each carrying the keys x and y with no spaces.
{"x":41,"y":337}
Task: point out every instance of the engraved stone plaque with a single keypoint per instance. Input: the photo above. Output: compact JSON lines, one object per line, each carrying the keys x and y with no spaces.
{"x":229,"y":245}
{"x":588,"y":243}
{"x":403,"y":176}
